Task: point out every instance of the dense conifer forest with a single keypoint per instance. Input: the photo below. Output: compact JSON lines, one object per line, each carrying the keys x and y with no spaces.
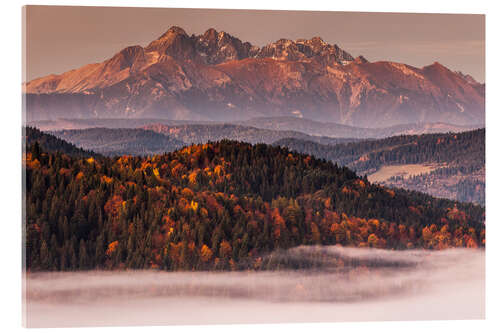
{"x":465,"y":149}
{"x":458,"y":161}
{"x":222,"y":205}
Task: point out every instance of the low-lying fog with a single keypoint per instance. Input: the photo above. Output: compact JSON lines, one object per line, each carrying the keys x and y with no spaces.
{"x":397,"y":285}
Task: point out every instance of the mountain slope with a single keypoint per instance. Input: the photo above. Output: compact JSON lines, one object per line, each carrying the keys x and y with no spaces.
{"x":221,"y":206}
{"x":215,"y":76}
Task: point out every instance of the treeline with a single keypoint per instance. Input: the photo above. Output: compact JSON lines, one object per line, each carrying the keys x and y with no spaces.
{"x":219,"y":205}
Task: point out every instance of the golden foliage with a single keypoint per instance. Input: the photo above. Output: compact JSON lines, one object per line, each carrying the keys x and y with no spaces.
{"x":205,"y":253}
{"x":218,"y":170}
{"x":194,"y":205}
{"x":192,"y":176}
{"x":372,"y":240}
{"x":156,"y":173}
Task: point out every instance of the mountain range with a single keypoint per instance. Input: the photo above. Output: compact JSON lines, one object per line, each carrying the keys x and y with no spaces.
{"x":216,"y":76}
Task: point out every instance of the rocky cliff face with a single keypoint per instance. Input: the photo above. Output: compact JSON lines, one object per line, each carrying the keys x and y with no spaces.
{"x":215,"y":76}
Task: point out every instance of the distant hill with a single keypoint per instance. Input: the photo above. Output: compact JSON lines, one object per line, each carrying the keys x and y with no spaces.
{"x":291,"y":124}
{"x":160,"y":138}
{"x":202,"y":133}
{"x":454,"y":162}
{"x":75,"y":123}
{"x":317,"y":128}
{"x":120,"y":141}
{"x":52,"y":144}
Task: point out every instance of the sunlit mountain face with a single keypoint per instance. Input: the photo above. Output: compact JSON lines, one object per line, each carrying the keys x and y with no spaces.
{"x":216,"y":76}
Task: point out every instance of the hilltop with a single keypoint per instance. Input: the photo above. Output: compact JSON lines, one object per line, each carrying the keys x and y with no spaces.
{"x":221,"y":205}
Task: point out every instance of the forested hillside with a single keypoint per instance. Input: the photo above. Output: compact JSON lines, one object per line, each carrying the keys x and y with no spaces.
{"x":220,"y":206}
{"x":121,"y":141}
{"x":465,"y":149}
{"x":51,"y":143}
{"x":458,"y":160}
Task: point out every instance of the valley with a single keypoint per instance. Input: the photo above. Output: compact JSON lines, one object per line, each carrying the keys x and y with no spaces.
{"x":403,"y":171}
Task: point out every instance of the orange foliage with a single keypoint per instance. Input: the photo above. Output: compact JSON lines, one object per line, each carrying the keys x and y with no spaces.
{"x":111,"y":248}
{"x":79,"y":176}
{"x":426,"y":234}
{"x":456,"y":214}
{"x":279,"y":222}
{"x":187,"y":192}
{"x":372,"y":240}
{"x":106,"y":179}
{"x":112,"y":206}
{"x":225,"y":249}
{"x":471,"y":243}
{"x":360,"y":183}
{"x":391,"y":193}
{"x":192,"y":176}
{"x":205,"y":253}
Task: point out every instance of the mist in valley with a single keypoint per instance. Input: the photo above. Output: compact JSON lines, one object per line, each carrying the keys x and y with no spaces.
{"x":305,"y":284}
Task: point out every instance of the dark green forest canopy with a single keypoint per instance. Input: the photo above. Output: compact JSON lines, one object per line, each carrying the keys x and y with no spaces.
{"x":220,"y":205}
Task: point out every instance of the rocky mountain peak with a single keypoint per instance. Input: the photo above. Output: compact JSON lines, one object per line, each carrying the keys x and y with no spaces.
{"x":305,"y":49}
{"x":174,"y":30}
{"x":217,"y":47}
{"x":317,"y":41}
{"x":360,"y":60}
{"x":210,"y":34}
{"x":183,"y":76}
